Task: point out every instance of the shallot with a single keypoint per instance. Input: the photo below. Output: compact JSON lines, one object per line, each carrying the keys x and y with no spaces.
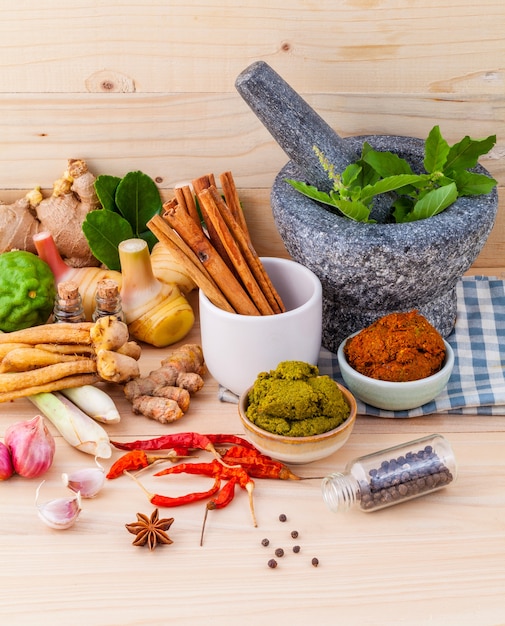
{"x":6,"y":467}
{"x":31,"y":446}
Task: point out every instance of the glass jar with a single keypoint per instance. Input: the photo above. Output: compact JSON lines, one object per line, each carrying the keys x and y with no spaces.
{"x":68,"y":305}
{"x":391,"y":476}
{"x":108,"y":300}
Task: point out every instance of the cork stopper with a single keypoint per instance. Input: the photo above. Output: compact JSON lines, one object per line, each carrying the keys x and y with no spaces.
{"x":68,"y":291}
{"x":107,"y":289}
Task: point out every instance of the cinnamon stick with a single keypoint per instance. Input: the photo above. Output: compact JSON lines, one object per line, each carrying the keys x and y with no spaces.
{"x":194,"y":237}
{"x":186,"y":198}
{"x":199,"y":185}
{"x":196,"y":271}
{"x":249,"y":253}
{"x":232,"y":200}
{"x":208,"y":204}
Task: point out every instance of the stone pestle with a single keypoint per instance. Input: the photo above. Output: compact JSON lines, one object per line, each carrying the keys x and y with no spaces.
{"x":295,"y":126}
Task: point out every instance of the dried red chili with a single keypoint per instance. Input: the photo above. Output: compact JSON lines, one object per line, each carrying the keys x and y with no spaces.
{"x":168,"y":501}
{"x":222,"y":499}
{"x":179,"y":441}
{"x":258,"y":465}
{"x":136,"y":460}
{"x":223,"y":439}
{"x":217,"y":469}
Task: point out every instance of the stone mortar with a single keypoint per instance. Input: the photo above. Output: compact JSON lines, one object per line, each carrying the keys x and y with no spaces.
{"x":370,"y":270}
{"x":366,"y":270}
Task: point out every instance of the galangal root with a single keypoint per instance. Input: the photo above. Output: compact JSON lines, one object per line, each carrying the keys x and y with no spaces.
{"x":52,"y":357}
{"x":164,"y":395}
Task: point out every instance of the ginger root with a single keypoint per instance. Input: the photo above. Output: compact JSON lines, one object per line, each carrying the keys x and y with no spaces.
{"x":18,"y":223}
{"x":157,"y":395}
{"x":62,"y":214}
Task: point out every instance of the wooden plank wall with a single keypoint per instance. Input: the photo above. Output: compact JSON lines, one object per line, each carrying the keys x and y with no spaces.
{"x":149,"y":85}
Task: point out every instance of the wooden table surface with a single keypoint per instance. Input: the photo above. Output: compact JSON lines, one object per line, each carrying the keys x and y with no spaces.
{"x":439,"y":559}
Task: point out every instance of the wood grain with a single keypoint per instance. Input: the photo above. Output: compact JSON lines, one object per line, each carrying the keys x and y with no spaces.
{"x":361,"y":46}
{"x":436,"y":560}
{"x":150,"y":86}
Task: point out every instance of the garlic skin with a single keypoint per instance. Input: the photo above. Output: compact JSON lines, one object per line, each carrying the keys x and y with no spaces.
{"x":6,"y":467}
{"x":31,"y":446}
{"x":61,"y":513}
{"x":88,"y":482}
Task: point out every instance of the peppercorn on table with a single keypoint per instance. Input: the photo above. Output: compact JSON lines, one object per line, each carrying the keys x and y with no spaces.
{"x":438,"y":559}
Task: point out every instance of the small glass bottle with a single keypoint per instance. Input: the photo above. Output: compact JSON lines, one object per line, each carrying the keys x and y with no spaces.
{"x":108,"y":300}
{"x":68,"y":304}
{"x":391,"y":476}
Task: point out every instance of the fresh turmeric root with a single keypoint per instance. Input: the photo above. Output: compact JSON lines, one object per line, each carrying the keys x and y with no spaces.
{"x":163,"y":410}
{"x":171,"y":385}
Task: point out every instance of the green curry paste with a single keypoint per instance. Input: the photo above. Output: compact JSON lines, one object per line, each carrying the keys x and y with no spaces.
{"x":294,"y":400}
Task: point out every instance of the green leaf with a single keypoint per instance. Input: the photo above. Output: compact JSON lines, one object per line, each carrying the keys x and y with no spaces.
{"x":310,"y":191}
{"x":354,"y":210}
{"x":138,"y":200}
{"x":436,"y":150}
{"x":433,"y":202}
{"x":104,"y":231}
{"x":472,"y":184}
{"x":391,"y":183}
{"x":350,"y":174}
{"x":465,"y":154}
{"x":105,"y":187}
{"x":401,"y":208}
{"x":387,"y":163}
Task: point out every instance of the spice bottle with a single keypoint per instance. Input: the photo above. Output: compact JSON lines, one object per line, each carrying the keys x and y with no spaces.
{"x":108,"y":300}
{"x":391,"y":476}
{"x":68,"y":304}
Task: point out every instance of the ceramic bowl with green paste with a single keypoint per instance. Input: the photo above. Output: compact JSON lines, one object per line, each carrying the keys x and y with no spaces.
{"x":295,"y":415}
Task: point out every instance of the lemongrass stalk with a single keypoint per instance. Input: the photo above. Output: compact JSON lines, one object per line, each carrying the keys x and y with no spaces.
{"x":94,"y":402}
{"x":78,"y":429}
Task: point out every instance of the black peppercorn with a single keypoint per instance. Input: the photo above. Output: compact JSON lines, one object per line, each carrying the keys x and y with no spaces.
{"x":315,"y":562}
{"x":296,"y":549}
{"x":282,"y":517}
{"x":272,"y":563}
{"x":265,"y":542}
{"x":279,"y":552}
{"x":294,"y":534}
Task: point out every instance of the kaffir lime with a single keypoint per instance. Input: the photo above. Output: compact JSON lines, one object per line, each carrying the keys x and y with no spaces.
{"x":27,"y":290}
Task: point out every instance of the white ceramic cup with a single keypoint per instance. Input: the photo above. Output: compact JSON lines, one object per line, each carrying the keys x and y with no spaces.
{"x":237,"y":348}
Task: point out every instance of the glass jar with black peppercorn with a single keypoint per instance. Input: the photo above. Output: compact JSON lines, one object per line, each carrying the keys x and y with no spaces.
{"x":391,"y":476}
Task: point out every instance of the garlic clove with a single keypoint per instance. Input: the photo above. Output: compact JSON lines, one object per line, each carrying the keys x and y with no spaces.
{"x":6,"y":467}
{"x":31,"y":446}
{"x":88,"y":481}
{"x":61,"y":513}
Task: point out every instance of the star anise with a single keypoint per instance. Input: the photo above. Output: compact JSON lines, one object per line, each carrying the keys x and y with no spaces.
{"x":150,"y":530}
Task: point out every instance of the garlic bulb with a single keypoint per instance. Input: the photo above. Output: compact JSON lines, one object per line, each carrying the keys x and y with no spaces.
{"x":88,"y":481}
{"x":6,"y":468}
{"x":31,"y":446}
{"x":61,"y":513}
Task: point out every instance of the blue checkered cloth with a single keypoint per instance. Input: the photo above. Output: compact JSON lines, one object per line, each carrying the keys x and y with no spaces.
{"x":477,"y":383}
